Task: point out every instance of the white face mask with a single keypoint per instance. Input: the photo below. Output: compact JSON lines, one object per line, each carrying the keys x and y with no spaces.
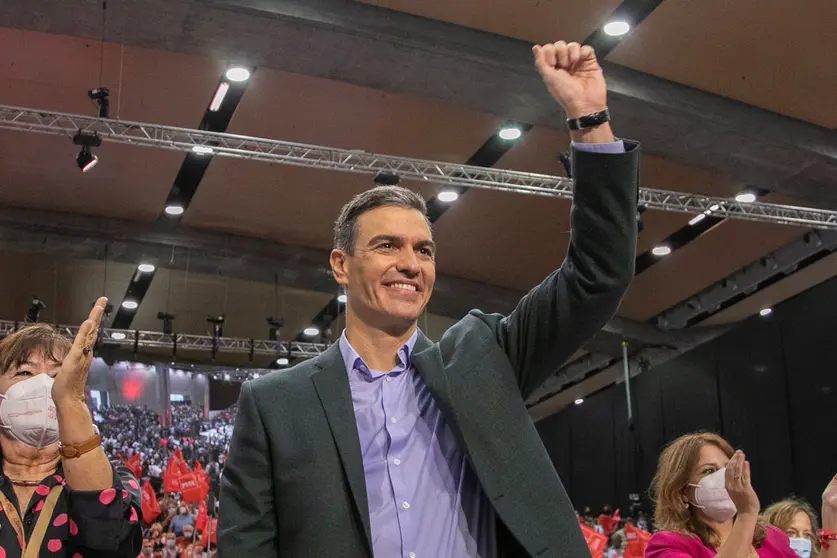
{"x":711,"y":496}
{"x":28,"y":412}
{"x":801,"y":546}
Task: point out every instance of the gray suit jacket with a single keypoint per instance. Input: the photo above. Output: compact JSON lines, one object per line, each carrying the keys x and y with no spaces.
{"x":293,"y":484}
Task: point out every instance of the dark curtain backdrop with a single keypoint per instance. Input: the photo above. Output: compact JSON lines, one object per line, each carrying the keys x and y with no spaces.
{"x":769,"y":386}
{"x":222,"y":394}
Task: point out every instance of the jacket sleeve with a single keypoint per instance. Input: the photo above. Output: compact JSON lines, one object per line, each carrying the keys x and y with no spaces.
{"x":574,"y":302}
{"x":106,"y":522}
{"x":247,"y":522}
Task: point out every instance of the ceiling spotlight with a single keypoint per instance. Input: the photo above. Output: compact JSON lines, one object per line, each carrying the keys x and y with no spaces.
{"x":237,"y":73}
{"x":311,"y":331}
{"x":342,"y":299}
{"x":226,"y":376}
{"x":745,"y":197}
{"x":579,"y":401}
{"x":765,"y":312}
{"x":202,"y":150}
{"x":617,"y":28}
{"x":447,"y":196}
{"x":146,"y":268}
{"x":174,"y":209}
{"x":282,"y":361}
{"x":118,"y":335}
{"x":218,"y":98}
{"x":697,"y":219}
{"x":661,"y":250}
{"x":510,"y":133}
{"x":129,"y":304}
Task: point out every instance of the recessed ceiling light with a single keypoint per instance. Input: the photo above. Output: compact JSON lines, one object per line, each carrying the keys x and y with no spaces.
{"x":342,"y":299}
{"x":697,"y":219}
{"x":237,"y":73}
{"x":202,"y":150}
{"x":661,"y":250}
{"x":745,"y":197}
{"x":282,"y":361}
{"x":447,"y":196}
{"x":129,"y":304}
{"x":174,"y":209}
{"x":146,"y":268}
{"x":311,"y":331}
{"x":218,"y":98}
{"x":617,"y":28}
{"x":118,"y":335}
{"x":510,"y":133}
{"x":579,"y":401}
{"x":765,"y":312}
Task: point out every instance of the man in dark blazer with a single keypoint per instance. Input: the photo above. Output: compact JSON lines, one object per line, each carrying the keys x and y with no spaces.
{"x":391,"y":445}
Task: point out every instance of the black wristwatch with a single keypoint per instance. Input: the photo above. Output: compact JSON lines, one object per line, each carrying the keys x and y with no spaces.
{"x":589,"y":120}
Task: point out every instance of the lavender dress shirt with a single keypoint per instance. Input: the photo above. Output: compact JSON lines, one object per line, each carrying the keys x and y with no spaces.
{"x":424,"y":499}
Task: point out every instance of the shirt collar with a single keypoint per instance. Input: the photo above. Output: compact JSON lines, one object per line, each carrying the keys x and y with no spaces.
{"x":353,"y":362}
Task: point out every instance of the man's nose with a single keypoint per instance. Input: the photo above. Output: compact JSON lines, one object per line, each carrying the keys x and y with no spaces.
{"x":408,"y":263}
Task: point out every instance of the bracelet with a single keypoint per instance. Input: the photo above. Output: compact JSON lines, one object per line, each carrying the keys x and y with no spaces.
{"x":825,"y":535}
{"x":589,"y":120}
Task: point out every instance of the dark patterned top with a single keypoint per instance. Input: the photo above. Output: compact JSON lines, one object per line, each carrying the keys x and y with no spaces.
{"x":101,"y":523}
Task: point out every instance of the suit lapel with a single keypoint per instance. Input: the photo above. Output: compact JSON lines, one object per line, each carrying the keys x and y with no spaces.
{"x":332,"y":384}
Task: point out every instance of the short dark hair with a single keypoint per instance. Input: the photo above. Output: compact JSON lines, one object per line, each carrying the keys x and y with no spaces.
{"x":37,"y":339}
{"x":345,"y":228}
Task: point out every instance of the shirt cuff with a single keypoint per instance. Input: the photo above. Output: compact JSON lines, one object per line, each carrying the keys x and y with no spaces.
{"x":617,"y":146}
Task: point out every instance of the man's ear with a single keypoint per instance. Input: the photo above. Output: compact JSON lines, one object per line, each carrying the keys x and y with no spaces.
{"x":339,"y":267}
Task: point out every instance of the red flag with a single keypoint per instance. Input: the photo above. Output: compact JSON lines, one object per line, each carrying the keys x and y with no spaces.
{"x":191,"y":488}
{"x":202,"y":476}
{"x":202,"y":518}
{"x":609,"y":523}
{"x":596,"y":542}
{"x":171,"y":476}
{"x":637,"y":541}
{"x":181,"y":463}
{"x":150,"y":506}
{"x":134,"y":465}
{"x":213,"y":526}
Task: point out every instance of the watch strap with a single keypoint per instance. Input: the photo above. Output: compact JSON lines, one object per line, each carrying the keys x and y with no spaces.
{"x":71,"y":451}
{"x":589,"y":120}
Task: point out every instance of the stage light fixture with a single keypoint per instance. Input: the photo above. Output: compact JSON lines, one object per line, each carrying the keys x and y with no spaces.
{"x":100,"y":95}
{"x":386,"y":178}
{"x":174,"y":209}
{"x":617,"y":28}
{"x":765,"y":312}
{"x":579,"y":401}
{"x":226,"y":376}
{"x":146,"y":268}
{"x":697,"y":219}
{"x":118,"y":335}
{"x":218,"y":98}
{"x":129,"y":304}
{"x":85,"y":158}
{"x":238,"y":74}
{"x":33,"y":314}
{"x":510,"y":133}
{"x":167,"y":319}
{"x":282,"y":361}
{"x":217,"y":324}
{"x":661,"y":250}
{"x":256,"y":375}
{"x":275,"y":326}
{"x":202,"y":150}
{"x":447,"y":196}
{"x":745,"y":197}
{"x":311,"y":331}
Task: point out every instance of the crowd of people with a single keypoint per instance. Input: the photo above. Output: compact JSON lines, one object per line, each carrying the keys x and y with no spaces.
{"x":129,"y":431}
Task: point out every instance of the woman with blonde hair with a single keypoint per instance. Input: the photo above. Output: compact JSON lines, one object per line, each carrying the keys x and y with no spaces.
{"x":705,"y":505}
{"x":798,"y":520}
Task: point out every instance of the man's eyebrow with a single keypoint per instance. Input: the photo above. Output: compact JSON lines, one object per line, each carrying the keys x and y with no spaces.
{"x":384,"y":238}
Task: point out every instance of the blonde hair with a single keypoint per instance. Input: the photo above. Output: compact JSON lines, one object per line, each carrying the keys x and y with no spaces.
{"x":781,"y":514}
{"x":674,"y":467}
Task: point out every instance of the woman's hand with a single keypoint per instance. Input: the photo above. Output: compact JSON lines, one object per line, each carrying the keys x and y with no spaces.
{"x":829,"y":498}
{"x":71,"y":380}
{"x":738,"y":485}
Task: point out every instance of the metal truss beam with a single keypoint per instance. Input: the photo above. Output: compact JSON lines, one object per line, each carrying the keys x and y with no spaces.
{"x":784,"y":260}
{"x":364,"y":162}
{"x":124,"y":338}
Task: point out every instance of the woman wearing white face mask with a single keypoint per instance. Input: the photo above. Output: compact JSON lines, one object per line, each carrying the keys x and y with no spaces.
{"x":705,"y":505}
{"x":799,"y":522}
{"x":59,"y":494}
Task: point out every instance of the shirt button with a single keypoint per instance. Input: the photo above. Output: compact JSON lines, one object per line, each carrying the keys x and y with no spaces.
{"x":412,"y":555}
{"x":393,"y":420}
{"x":406,"y":505}
{"x":389,"y":378}
{"x":396,"y":461}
